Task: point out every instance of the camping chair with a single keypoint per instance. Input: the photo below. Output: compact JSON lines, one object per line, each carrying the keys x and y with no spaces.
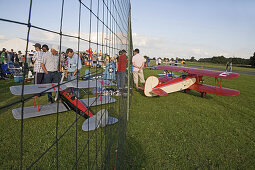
{"x":14,"y":69}
{"x":4,"y":70}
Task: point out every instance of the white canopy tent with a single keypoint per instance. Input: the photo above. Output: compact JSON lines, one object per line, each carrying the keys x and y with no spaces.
{"x":17,"y":44}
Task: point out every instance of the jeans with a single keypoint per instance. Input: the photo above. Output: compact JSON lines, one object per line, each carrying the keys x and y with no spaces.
{"x":51,"y":77}
{"x":121,"y":76}
{"x":74,"y":90}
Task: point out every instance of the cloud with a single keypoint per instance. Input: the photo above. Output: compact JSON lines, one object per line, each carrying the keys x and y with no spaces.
{"x":2,"y":37}
{"x":162,"y":47}
{"x":100,"y":38}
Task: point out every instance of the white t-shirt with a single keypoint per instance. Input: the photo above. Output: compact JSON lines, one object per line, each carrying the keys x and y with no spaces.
{"x":159,"y":60}
{"x":138,"y":60}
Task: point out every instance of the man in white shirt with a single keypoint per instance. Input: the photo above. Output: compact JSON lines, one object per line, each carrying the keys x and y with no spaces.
{"x":138,"y":63}
{"x":50,"y":66}
{"x":37,"y":60}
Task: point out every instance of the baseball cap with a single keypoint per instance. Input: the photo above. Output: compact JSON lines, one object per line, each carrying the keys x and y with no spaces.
{"x":37,"y":45}
{"x":56,"y":47}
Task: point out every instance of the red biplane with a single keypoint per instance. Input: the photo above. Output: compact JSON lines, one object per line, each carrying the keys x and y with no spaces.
{"x":69,"y":101}
{"x":191,"y":80}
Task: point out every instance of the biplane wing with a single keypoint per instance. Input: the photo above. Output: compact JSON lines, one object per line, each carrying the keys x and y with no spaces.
{"x":39,"y":88}
{"x":36,"y":88}
{"x":214,"y":90}
{"x":200,"y":72}
{"x":30,"y":112}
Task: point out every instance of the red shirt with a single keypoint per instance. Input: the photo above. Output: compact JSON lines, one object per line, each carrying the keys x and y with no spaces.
{"x":122,"y":64}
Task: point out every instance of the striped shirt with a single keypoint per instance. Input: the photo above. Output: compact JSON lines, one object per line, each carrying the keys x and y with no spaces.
{"x":37,"y":58}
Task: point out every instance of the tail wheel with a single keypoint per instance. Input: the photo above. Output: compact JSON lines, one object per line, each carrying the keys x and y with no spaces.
{"x":203,"y":94}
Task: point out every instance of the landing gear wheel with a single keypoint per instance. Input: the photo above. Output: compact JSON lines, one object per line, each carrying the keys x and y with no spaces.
{"x":186,"y":90}
{"x":203,"y":94}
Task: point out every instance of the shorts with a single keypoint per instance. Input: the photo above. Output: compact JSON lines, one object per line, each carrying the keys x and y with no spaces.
{"x":137,"y":74}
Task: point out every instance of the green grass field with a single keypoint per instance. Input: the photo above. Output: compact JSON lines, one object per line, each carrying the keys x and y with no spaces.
{"x":39,"y":134}
{"x":185,"y":131}
{"x":178,"y":131}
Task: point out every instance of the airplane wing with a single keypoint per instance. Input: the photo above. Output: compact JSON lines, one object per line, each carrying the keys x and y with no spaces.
{"x":90,"y":83}
{"x":39,"y":88}
{"x":214,"y":90}
{"x":200,"y":72}
{"x":35,"y":88}
{"x":165,"y":79}
{"x":30,"y":112}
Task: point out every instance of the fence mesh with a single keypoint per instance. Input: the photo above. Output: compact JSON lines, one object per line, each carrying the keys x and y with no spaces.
{"x":96,"y":31}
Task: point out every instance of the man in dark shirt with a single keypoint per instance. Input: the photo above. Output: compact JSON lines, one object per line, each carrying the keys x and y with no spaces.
{"x":121,"y":74}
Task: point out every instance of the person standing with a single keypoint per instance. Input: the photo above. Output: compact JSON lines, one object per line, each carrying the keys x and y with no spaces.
{"x":37,"y":60}
{"x":227,"y":65}
{"x":74,"y":65}
{"x":138,"y":64}
{"x":148,"y":62}
{"x":50,"y":65}
{"x":11,"y":56}
{"x":3,"y":56}
{"x":122,"y":65}
{"x":20,"y":58}
{"x":230,"y":66}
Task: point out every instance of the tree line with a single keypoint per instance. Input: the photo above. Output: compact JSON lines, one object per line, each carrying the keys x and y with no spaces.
{"x":224,"y":60}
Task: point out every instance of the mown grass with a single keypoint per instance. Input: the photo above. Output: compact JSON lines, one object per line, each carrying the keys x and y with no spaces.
{"x":185,"y":131}
{"x":178,"y":131}
{"x":40,"y":133}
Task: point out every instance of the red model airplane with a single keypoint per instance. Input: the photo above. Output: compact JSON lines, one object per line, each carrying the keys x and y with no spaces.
{"x":69,"y":101}
{"x":191,"y":80}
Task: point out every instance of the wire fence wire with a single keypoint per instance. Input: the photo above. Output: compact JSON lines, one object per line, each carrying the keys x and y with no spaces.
{"x":98,"y":28}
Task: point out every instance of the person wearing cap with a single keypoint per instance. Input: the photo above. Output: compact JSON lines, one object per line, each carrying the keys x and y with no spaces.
{"x":121,"y":72}
{"x":50,"y":66}
{"x":74,"y":65}
{"x":37,"y":60}
{"x":138,"y":64}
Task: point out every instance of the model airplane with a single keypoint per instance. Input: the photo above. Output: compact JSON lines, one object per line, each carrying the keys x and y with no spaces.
{"x":69,"y":101}
{"x":191,"y":80}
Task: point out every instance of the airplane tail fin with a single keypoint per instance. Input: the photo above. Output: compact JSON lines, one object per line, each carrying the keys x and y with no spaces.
{"x":150,"y":83}
{"x":101,"y":119}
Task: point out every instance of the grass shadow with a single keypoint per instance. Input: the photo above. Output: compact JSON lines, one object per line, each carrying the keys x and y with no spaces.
{"x":134,"y":156}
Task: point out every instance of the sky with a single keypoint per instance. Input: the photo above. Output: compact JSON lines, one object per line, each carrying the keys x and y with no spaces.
{"x":199,"y":28}
{"x":160,"y":28}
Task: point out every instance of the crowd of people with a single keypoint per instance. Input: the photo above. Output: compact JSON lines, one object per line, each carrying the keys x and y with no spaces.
{"x":47,"y":64}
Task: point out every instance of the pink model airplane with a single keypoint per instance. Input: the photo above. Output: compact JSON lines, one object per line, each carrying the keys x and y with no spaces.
{"x":191,"y":80}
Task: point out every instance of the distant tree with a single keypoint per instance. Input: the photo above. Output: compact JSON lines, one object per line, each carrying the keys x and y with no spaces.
{"x":192,"y":59}
{"x":154,"y":58}
{"x":172,"y":59}
{"x":252,"y":60}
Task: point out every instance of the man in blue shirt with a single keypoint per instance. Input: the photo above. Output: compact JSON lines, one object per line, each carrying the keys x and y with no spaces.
{"x":74,"y":65}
